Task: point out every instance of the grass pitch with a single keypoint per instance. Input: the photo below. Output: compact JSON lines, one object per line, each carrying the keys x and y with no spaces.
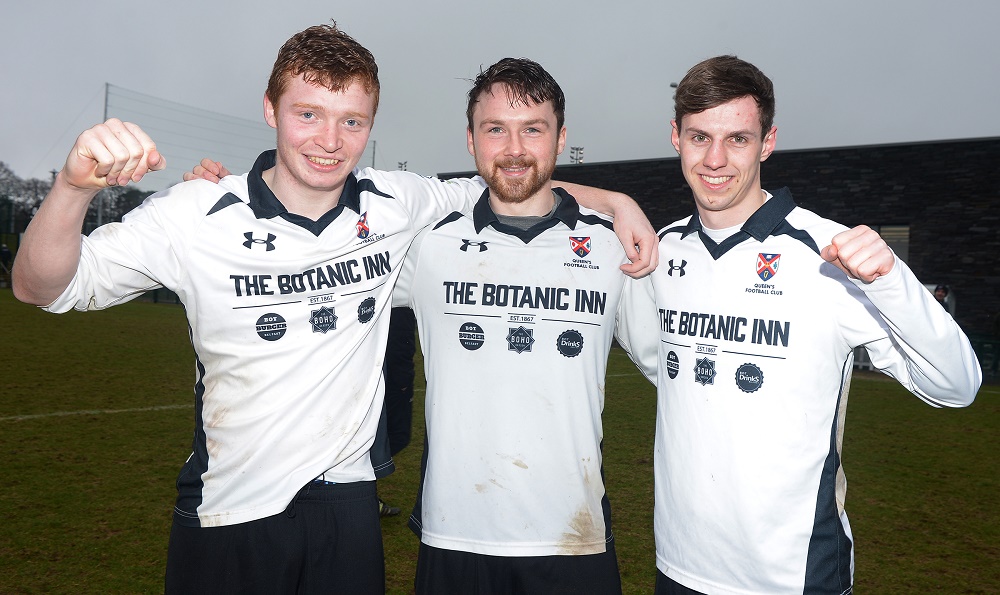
{"x":96,"y":419}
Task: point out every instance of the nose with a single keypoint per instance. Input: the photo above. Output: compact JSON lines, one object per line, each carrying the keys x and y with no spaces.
{"x":715,"y":156}
{"x":328,"y":138}
{"x":515,"y":146}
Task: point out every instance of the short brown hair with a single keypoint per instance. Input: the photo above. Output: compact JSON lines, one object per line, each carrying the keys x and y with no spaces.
{"x":525,"y":80}
{"x":719,"y":80}
{"x":325,"y":55}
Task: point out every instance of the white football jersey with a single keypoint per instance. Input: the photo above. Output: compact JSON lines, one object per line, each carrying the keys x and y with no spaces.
{"x":285,"y":316}
{"x":752,"y":348}
{"x":515,"y":328}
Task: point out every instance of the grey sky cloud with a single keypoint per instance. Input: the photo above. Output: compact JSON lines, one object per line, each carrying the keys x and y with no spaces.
{"x":847,"y":73}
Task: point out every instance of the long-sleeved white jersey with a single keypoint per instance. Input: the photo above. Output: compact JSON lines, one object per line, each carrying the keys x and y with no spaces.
{"x":752,"y":360}
{"x":285,"y":316}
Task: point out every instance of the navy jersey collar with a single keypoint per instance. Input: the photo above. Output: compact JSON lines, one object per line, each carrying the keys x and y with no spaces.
{"x":265,"y":204}
{"x":763,"y":222}
{"x":568,"y":212}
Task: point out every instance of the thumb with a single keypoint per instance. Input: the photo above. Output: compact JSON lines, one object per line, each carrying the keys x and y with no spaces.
{"x":156,"y":161}
{"x":631,"y":252}
{"x":829,"y":253}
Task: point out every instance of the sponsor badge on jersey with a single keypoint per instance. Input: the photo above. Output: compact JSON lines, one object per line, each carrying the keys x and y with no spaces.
{"x":704,"y":371}
{"x":362,"y":226}
{"x":471,"y":336}
{"x":366,"y":310}
{"x":271,"y":327}
{"x":520,"y":339}
{"x":767,"y":265}
{"x":580,"y":246}
{"x":570,"y":343}
{"x":673,"y":365}
{"x":749,"y":378}
{"x":323,"y":320}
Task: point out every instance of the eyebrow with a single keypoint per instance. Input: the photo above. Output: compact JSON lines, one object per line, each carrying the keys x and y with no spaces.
{"x":319,"y":108}
{"x":534,"y":122}
{"x":727,"y":134}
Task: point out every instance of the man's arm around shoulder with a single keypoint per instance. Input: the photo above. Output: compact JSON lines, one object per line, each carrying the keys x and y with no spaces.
{"x":632,"y":227}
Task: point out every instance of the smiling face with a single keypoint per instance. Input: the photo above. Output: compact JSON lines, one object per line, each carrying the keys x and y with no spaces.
{"x":321,"y":136}
{"x":515,"y":147}
{"x":721,"y":151}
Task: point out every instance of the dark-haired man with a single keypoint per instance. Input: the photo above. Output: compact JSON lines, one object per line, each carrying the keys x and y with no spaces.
{"x":759,"y":306}
{"x":285,"y":274}
{"x":941,"y":295}
{"x":516,"y":306}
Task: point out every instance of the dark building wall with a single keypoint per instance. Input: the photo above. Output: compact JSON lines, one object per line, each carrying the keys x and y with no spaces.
{"x":944,"y":191}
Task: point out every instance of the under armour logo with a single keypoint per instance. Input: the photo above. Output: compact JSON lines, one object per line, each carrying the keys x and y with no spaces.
{"x":269,"y":242}
{"x":467,"y":243}
{"x":679,"y":267}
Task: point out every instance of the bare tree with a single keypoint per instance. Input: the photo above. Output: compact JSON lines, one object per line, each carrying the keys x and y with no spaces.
{"x":19,"y":200}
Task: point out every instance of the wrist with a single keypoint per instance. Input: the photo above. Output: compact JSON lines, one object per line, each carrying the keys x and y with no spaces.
{"x":619,"y":202}
{"x":62,"y":187}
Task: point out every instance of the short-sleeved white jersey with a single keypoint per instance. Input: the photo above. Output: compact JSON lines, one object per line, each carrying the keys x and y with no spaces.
{"x":515,"y":327}
{"x":286,"y":322}
{"x":753,"y":359}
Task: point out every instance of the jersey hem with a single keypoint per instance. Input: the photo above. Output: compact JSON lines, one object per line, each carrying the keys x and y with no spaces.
{"x":517,"y":550}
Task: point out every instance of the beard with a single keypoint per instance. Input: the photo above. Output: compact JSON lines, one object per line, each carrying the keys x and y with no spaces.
{"x":515,"y":191}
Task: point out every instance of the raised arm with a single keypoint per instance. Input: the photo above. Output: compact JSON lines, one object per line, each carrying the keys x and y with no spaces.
{"x":928,"y":352}
{"x":108,"y":154}
{"x":861,"y":253}
{"x":631,"y":225}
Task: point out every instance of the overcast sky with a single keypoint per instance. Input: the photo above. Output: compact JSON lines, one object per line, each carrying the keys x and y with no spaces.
{"x":851,"y":72}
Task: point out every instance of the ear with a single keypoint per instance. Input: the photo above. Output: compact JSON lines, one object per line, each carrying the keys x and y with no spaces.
{"x":769,"y":142}
{"x":472,"y":144}
{"x":561,"y":143}
{"x":269,"y":116}
{"x":675,"y":135}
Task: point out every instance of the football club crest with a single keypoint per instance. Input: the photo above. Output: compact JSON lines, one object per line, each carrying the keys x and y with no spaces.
{"x":362,"y":226}
{"x":767,"y":266}
{"x":580,"y":246}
